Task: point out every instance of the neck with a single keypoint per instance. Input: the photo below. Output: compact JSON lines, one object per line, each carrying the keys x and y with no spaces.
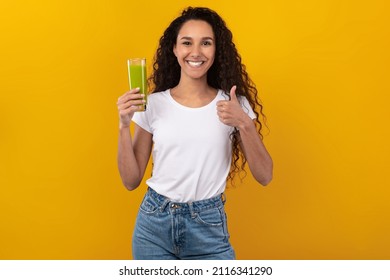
{"x":193,"y":87}
{"x":193,"y":93}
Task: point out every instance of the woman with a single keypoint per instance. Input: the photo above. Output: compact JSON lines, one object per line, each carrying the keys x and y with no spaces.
{"x":202,"y":116}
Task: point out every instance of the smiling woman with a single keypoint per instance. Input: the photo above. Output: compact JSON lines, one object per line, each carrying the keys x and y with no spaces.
{"x":201,"y":117}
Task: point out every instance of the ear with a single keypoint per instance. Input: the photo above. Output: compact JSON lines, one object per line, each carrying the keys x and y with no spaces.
{"x":174,"y":50}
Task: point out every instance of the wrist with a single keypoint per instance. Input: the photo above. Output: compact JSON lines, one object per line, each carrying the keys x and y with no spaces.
{"x":245,"y":124}
{"x":124,"y":126}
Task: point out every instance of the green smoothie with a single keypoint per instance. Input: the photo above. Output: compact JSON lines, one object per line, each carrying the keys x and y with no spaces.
{"x":137,"y":77}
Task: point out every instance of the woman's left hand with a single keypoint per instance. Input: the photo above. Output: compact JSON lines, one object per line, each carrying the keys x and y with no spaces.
{"x":230,"y":111}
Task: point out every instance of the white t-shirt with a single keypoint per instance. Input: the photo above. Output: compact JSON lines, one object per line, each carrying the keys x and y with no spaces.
{"x":192,"y":149}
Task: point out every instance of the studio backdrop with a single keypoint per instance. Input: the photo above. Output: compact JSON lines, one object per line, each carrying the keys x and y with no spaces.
{"x":322,"y":71}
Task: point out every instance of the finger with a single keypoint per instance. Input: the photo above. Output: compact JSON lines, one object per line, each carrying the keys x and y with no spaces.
{"x":137,"y":96}
{"x":131,"y":109}
{"x":221,"y":110}
{"x":129,"y":96}
{"x":223,"y":115}
{"x":221,"y":119}
{"x":222,"y":104}
{"x":131,"y":103}
{"x":224,"y":120}
{"x":132,"y":91}
{"x":233,"y":96}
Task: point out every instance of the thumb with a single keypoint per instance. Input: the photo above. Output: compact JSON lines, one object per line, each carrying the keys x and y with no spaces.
{"x":233,"y":96}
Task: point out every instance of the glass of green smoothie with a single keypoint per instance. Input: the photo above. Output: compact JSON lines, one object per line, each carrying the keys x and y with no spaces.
{"x":136,"y":69}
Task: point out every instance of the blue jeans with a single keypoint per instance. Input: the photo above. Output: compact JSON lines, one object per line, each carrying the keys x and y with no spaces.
{"x":167,"y":230}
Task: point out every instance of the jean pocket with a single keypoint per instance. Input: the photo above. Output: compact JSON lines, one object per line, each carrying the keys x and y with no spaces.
{"x":210,"y":217}
{"x":148,"y":205}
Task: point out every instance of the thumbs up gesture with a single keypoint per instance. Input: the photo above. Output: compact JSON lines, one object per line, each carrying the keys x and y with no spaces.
{"x":230,"y":111}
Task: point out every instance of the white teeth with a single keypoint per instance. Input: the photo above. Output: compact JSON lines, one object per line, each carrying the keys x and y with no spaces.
{"x":195,"y":63}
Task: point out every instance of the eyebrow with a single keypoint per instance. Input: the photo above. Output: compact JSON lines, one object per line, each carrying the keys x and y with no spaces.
{"x":190,"y":38}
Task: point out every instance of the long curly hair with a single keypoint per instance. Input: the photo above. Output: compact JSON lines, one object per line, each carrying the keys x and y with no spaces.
{"x":226,"y":71}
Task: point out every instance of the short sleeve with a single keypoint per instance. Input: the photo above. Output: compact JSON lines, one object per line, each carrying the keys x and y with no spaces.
{"x":143,"y":120}
{"x":247,"y":107}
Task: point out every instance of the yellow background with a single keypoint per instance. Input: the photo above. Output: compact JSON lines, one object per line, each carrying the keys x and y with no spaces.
{"x":322,"y":69}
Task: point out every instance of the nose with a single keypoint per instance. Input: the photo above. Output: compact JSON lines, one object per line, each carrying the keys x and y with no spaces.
{"x":195,"y":51}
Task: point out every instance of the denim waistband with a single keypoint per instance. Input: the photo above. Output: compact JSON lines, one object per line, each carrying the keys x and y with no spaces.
{"x":194,"y":206}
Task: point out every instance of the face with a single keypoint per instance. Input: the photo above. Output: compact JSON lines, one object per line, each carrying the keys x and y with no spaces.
{"x":195,"y":49}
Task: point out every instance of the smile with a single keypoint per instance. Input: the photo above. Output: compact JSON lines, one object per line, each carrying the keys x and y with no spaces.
{"x":195,"y":63}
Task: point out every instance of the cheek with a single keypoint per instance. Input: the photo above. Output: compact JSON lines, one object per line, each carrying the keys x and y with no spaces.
{"x":179,"y":52}
{"x":212,"y":56}
{"x":212,"y":53}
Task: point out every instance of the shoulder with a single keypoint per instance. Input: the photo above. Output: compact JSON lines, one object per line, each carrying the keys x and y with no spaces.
{"x":158,"y":95}
{"x":157,"y":102}
{"x":156,"y":98}
{"x":222,"y":95}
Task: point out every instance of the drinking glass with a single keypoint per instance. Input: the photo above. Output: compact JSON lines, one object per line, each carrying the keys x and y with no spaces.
{"x":136,"y":69}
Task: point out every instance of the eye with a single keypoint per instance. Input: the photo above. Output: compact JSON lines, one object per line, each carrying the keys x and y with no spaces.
{"x":186,"y":43}
{"x":207,"y":43}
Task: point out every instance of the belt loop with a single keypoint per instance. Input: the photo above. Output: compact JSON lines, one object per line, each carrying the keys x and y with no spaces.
{"x":223,"y":198}
{"x":164,"y":205}
{"x":190,"y":206}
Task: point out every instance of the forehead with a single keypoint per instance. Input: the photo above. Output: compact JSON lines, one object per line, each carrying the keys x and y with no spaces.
{"x":196,"y":28}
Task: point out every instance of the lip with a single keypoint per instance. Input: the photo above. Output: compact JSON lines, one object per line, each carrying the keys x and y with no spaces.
{"x":195,"y":63}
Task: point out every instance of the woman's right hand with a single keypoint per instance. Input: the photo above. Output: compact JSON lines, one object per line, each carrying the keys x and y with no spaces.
{"x":127,"y":104}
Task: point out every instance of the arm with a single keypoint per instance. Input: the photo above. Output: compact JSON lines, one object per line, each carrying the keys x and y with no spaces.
{"x":133,"y":154}
{"x":259,"y":160}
